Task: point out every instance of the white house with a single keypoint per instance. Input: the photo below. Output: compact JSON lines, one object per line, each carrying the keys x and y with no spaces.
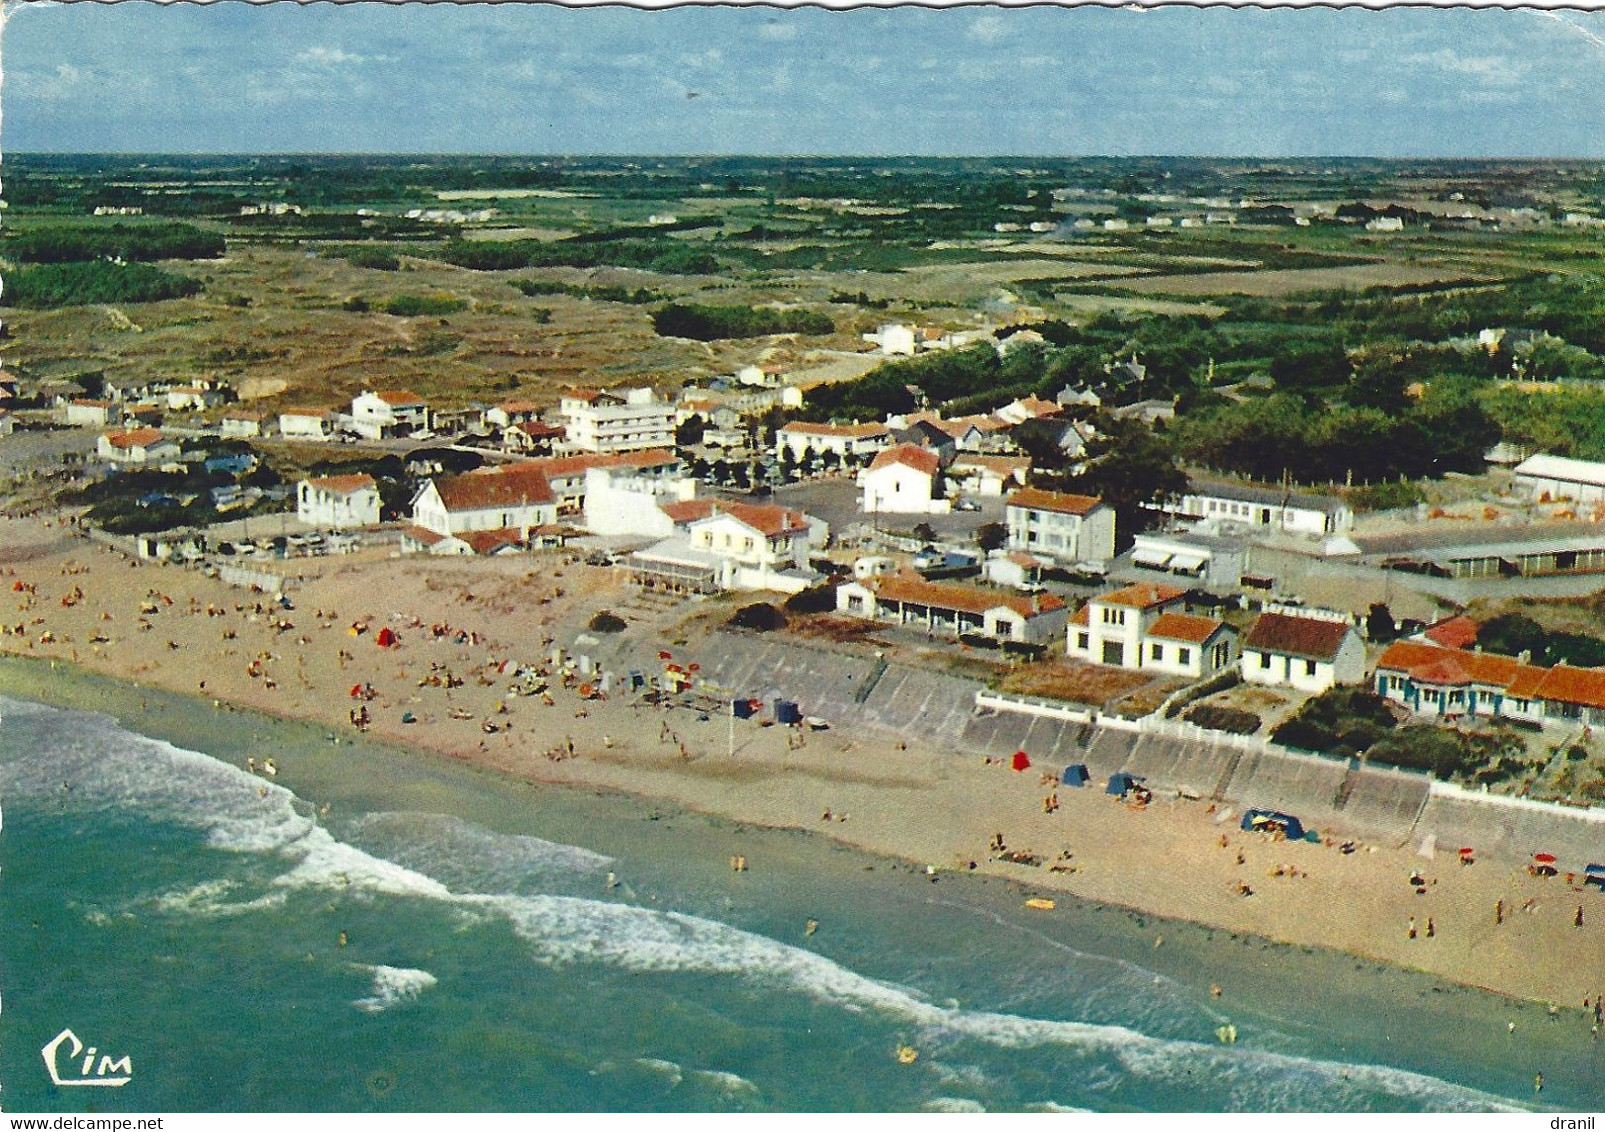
{"x":1216,"y":561}
{"x":1111,"y":628}
{"x":1306,"y":650}
{"x":1274,"y":509}
{"x":1544,"y":478}
{"x":507,"y":497}
{"x":618,"y":501}
{"x":608,"y":422}
{"x":338,"y":502}
{"x":512,"y":412}
{"x":304,"y":424}
{"x":989,"y":476}
{"x":804,"y":438}
{"x":242,"y":422}
{"x":531,"y":437}
{"x":1023,"y":409}
{"x":1013,"y":568}
{"x":766,"y":376}
{"x":388,"y":412}
{"x":566,"y":474}
{"x":733,"y":546}
{"x":84,"y":411}
{"x":903,"y":480}
{"x":1061,"y":526}
{"x":893,"y":338}
{"x":192,"y":399}
{"x":952,"y":610}
{"x":136,"y":446}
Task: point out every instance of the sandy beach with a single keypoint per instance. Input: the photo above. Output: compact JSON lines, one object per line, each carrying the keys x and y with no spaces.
{"x":463,"y":626}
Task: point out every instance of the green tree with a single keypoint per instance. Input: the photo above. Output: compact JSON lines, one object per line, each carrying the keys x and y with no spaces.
{"x":991,"y":536}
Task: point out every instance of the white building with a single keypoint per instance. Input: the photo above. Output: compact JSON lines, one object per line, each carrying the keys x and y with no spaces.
{"x":1023,"y":409}
{"x":566,"y":474}
{"x":338,"y":502}
{"x":1141,"y":627}
{"x":192,"y":399}
{"x":1453,"y":684}
{"x":733,"y":546}
{"x":388,"y":412}
{"x":1066,"y":528}
{"x":304,"y":424}
{"x":989,"y":476}
{"x":609,"y":422}
{"x":1214,"y":561}
{"x":1306,"y":650}
{"x":509,"y":497}
{"x":512,"y":412}
{"x":242,"y":423}
{"x":136,"y":446}
{"x":804,"y":438}
{"x":95,"y":414}
{"x":619,"y":501}
{"x":1013,"y":568}
{"x":903,"y":480}
{"x":951,"y":610}
{"x":893,"y":338}
{"x":1545,"y":478}
{"x":1273,"y":509}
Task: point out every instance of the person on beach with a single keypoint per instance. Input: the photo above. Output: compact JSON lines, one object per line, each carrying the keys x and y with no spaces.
{"x":1499,"y":912}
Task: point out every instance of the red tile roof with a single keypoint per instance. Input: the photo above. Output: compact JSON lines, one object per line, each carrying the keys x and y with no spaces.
{"x":1185,"y":627}
{"x":134,"y":438}
{"x":908,"y":455}
{"x":1453,"y":632}
{"x":1037,"y":407}
{"x":1143,"y":595}
{"x":488,"y":542}
{"x":966,"y":599}
{"x":860,"y":431}
{"x":1081,"y":616}
{"x":397,"y":398}
{"x":1004,"y":466}
{"x":342,"y":485}
{"x":1060,"y":502}
{"x":1310,"y":638}
{"x":688,"y":510}
{"x":511,"y":485}
{"x":422,"y":535}
{"x":558,"y":467}
{"x":519,"y":407}
{"x":1584,"y":686}
{"x":1436,"y":665}
{"x":766,"y":518}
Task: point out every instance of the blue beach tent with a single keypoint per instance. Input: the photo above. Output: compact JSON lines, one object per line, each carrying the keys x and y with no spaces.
{"x":1273,"y":821}
{"x":1121,"y":784}
{"x":1075,"y":775}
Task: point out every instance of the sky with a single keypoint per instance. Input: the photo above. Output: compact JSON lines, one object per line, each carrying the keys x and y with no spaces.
{"x":539,"y":79}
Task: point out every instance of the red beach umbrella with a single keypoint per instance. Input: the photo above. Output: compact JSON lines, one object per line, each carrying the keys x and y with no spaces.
{"x":1467,"y":851}
{"x":665,"y":656}
{"x":1020,"y":762}
{"x":356,"y":691}
{"x":694,"y":668}
{"x":1544,"y":858}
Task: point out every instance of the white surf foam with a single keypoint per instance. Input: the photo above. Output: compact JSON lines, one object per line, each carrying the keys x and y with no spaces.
{"x":952,"y":1104}
{"x":470,"y":858}
{"x":730,"y":1084}
{"x":393,"y":986}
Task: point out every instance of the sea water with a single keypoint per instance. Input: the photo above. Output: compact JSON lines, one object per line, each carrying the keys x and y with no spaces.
{"x":374,"y":930}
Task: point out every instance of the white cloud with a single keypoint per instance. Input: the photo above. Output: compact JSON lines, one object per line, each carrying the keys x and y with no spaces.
{"x":987,"y":29}
{"x":330,"y":57}
{"x":1495,"y":70}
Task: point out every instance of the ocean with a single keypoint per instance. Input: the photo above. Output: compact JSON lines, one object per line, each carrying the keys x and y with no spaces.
{"x":377,"y":930}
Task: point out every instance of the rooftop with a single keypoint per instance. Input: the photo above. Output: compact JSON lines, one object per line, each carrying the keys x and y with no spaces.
{"x":511,"y":484}
{"x":1057,"y":501}
{"x":1310,"y":638}
{"x":966,"y":599}
{"x":1143,"y":595}
{"x":909,"y":455}
{"x":1185,"y":627}
{"x":342,"y":485}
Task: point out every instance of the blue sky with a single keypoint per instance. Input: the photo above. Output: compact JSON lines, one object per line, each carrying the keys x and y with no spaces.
{"x":510,"y":78}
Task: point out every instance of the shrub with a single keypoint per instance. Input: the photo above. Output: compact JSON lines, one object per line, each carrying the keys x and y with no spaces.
{"x":759,"y":616}
{"x":815,"y":599}
{"x":95,"y":281}
{"x":606,"y":621}
{"x":1217,"y":717}
{"x":706,"y":323}
{"x":410,"y":306}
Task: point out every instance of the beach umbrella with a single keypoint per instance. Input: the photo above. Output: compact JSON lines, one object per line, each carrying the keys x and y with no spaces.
{"x":1544,"y":858}
{"x":1020,"y":761}
{"x":356,"y":691}
{"x":665,"y":656}
{"x":694,"y":668}
{"x":386,"y":638}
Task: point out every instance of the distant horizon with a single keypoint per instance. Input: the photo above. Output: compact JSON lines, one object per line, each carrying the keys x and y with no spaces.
{"x":1494,"y":158}
{"x":528,"y":80}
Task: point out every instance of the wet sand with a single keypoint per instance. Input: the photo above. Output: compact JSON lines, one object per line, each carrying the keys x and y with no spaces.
{"x":177,"y":629}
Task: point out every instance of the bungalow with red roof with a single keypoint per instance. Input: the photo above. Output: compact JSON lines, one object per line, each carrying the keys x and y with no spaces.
{"x":951,"y":610}
{"x":1305,"y":650}
{"x":903,"y":480}
{"x":1450,"y":683}
{"x":243,"y":422}
{"x":136,"y":446}
{"x":338,"y":502}
{"x":1143,"y":626}
{"x":1458,"y":632}
{"x":388,"y":412}
{"x":849,"y":443}
{"x":88,"y":411}
{"x":732,"y":546}
{"x":1073,"y":529}
{"x":507,"y":497}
